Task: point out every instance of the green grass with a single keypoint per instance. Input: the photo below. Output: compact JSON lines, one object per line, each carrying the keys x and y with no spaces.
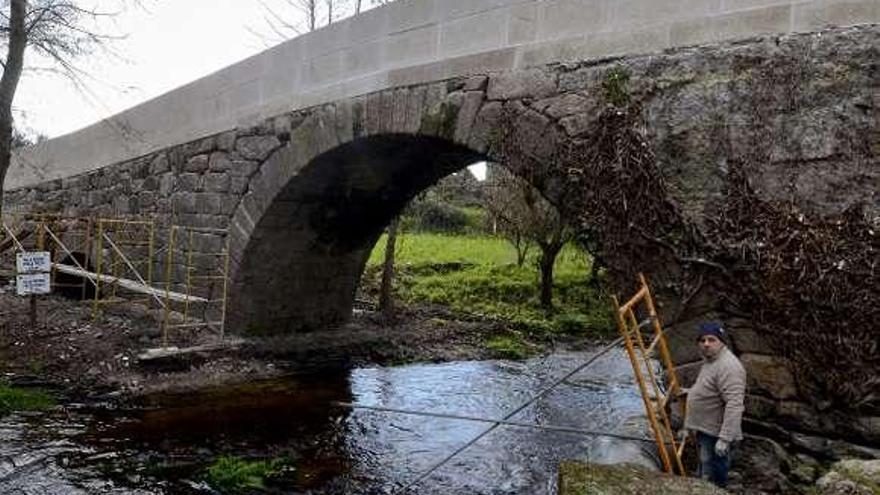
{"x":235,"y":475}
{"x":508,"y":347}
{"x":478,"y":275}
{"x":19,"y":399}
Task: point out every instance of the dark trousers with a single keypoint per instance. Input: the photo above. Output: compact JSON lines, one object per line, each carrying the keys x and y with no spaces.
{"x":712,"y":467}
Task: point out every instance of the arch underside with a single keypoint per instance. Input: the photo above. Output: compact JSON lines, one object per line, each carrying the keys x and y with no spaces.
{"x":302,"y":264}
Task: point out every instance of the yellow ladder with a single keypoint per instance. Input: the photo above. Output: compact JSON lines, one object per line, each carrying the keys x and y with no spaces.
{"x":630,"y":328}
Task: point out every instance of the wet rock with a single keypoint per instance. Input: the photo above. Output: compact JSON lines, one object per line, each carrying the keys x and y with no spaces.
{"x":769,"y":374}
{"x":621,"y":479}
{"x":763,"y":466}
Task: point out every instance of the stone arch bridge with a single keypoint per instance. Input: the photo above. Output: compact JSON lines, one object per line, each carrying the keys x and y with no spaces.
{"x":306,"y":151}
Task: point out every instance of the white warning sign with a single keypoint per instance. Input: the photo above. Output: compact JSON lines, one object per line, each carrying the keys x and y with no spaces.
{"x":33,"y":283}
{"x":33,"y":262}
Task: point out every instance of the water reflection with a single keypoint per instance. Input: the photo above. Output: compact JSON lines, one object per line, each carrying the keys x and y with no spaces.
{"x":163,"y":446}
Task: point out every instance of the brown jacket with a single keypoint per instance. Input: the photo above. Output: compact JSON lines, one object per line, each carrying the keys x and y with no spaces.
{"x":715,"y":401}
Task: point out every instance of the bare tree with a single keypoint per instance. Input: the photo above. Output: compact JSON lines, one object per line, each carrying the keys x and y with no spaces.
{"x":295,"y":17}
{"x":526,"y":218}
{"x":58,"y":32}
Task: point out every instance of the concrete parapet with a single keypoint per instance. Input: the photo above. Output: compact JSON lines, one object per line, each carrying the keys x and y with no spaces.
{"x":414,"y":42}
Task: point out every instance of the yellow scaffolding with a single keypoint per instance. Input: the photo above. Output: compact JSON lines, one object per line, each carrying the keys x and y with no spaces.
{"x":655,"y":400}
{"x":124,"y":249}
{"x":201,"y":276}
{"x":125,"y":253}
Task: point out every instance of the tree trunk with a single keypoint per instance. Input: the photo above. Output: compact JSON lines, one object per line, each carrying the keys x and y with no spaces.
{"x":357,"y":7}
{"x":386,"y":299}
{"x":9,"y":83}
{"x":313,"y":13}
{"x":549,"y":252}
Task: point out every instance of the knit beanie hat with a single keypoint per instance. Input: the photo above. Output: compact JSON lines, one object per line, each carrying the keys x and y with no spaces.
{"x":713,"y":328}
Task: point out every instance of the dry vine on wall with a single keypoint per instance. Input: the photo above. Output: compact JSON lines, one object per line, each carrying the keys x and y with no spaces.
{"x":810,"y":287}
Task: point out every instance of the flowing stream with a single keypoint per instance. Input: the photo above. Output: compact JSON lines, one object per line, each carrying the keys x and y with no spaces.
{"x":164,"y":445}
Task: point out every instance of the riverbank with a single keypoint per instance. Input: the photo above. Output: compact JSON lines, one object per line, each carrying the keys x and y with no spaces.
{"x":68,"y":352}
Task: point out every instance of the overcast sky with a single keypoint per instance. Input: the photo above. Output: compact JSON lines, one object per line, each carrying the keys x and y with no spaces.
{"x":168,"y":43}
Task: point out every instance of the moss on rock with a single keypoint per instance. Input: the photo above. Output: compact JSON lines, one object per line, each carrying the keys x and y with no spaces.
{"x":581,"y":478}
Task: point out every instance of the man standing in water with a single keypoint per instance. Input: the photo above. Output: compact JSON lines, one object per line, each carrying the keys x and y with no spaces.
{"x":715,"y":404}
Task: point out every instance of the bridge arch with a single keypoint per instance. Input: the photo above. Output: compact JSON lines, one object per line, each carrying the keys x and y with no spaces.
{"x":316,"y":206}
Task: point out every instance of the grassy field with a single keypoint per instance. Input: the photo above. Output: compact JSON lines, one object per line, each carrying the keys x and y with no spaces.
{"x":478,"y":275}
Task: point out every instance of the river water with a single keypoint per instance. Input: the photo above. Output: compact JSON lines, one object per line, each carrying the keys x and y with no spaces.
{"x":164,"y":445}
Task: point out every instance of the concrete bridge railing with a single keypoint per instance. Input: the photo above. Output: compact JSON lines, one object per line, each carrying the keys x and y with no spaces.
{"x":416,"y":41}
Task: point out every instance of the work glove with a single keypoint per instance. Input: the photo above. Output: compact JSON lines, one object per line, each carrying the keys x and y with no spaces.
{"x":682,"y":435}
{"x":722,"y":448}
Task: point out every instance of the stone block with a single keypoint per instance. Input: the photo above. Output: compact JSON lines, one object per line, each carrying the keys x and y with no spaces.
{"x":633,"y":14}
{"x":411,"y":46}
{"x":207,"y":243}
{"x":373,"y":114}
{"x":479,"y":32}
{"x":219,"y":162}
{"x":454,"y":9}
{"x":466,"y":116}
{"x":364,"y":57}
{"x":151,"y":183}
{"x":189,"y":182}
{"x":167,"y":183}
{"x":198,"y":164}
{"x":398,"y":110}
{"x":572,"y":18}
{"x":484,"y":127}
{"x":415,"y":104}
{"x":523,"y":83}
{"x":735,"y":5}
{"x":344,"y":121}
{"x":564,"y":105}
{"x":256,"y":148}
{"x":226,"y":141}
{"x":186,"y":203}
{"x":577,"y":125}
{"x":147,"y":200}
{"x":744,"y":338}
{"x":217,"y":182}
{"x":648,"y":39}
{"x":522,"y":24}
{"x":741,"y":24}
{"x":475,"y":83}
{"x":240,"y":167}
{"x":386,"y":111}
{"x":770,"y":375}
{"x":816,"y":15}
{"x":238,"y":185}
{"x":159,"y":164}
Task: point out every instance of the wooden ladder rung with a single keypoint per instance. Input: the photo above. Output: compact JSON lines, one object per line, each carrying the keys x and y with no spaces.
{"x":654,"y":343}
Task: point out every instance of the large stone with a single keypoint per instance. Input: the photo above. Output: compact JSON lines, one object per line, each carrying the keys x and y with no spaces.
{"x":198,"y":164}
{"x":764,"y":464}
{"x":529,"y":83}
{"x":851,"y":477}
{"x":256,"y":147}
{"x":770,"y":375}
{"x":577,"y":478}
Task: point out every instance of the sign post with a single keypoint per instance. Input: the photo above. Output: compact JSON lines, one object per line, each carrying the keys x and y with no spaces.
{"x":32,"y":276}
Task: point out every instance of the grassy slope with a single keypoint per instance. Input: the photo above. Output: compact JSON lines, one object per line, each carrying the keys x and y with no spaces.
{"x":478,"y":275}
